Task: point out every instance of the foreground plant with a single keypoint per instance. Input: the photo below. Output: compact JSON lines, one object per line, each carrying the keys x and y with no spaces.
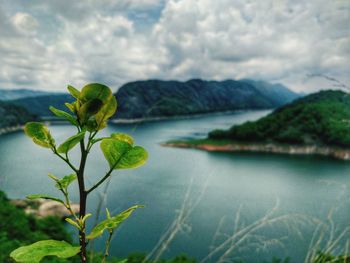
{"x":93,"y":106}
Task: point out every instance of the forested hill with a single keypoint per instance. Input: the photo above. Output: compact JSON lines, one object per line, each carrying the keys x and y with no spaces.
{"x":39,"y":105}
{"x":12,"y":115}
{"x":321,"y":118}
{"x":157,"y":98}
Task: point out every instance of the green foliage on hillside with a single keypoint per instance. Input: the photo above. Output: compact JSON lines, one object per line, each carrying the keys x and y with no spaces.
{"x":321,"y":118}
{"x":17,"y":228}
{"x":12,"y":115}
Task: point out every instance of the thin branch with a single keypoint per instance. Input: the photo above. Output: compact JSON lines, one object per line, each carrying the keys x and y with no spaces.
{"x":66,"y":160}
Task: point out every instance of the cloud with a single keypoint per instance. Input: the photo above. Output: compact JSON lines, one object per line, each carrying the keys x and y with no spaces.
{"x":46,"y":45}
{"x":24,"y":23}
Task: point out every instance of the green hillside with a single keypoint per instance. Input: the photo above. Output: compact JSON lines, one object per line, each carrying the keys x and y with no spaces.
{"x":321,"y":118}
{"x":12,"y":115}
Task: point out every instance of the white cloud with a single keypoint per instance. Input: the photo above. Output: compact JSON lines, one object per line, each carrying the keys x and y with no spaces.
{"x":24,"y":22}
{"x":47,"y":45}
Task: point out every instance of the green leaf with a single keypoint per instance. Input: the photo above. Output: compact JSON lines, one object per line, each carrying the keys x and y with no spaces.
{"x":37,"y":251}
{"x":106,"y":112}
{"x":63,"y":114}
{"x":89,"y":109}
{"x":70,"y":106}
{"x":85,"y":218}
{"x":113,"y":150}
{"x":53,"y":177}
{"x":73,"y":91}
{"x":123,"y":137}
{"x":95,"y":91}
{"x":43,"y":196}
{"x":112,"y":222}
{"x":134,"y":158}
{"x":40,"y":134}
{"x":73,"y":223}
{"x":71,"y":142}
{"x":65,"y":181}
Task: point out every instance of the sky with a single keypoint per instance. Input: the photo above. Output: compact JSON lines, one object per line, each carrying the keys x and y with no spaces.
{"x":47,"y":45}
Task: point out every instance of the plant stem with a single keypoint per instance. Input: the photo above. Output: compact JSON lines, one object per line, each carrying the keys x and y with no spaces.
{"x":83,"y":196}
{"x":100,"y":182}
{"x":65,"y":159}
{"x":108,"y":242}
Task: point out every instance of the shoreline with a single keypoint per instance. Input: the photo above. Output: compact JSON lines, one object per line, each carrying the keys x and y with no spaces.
{"x":181,"y":117}
{"x":11,"y":129}
{"x":328,"y":151}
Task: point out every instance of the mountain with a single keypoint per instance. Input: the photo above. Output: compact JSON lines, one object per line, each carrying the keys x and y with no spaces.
{"x":322,"y":119}
{"x":39,"y":105}
{"x":21,"y":93}
{"x":278,"y":93}
{"x":157,"y":98}
{"x":12,"y":115}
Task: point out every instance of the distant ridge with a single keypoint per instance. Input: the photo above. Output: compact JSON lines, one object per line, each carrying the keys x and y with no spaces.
{"x":151,"y":99}
{"x":6,"y":94}
{"x":158,"y":98}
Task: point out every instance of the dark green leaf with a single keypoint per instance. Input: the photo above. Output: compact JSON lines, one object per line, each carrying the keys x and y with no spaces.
{"x":71,"y":142}
{"x":113,"y":150}
{"x":89,"y":109}
{"x":95,"y":91}
{"x":112,"y":222}
{"x":63,"y":114}
{"x":34,"y":253}
{"x":43,"y":196}
{"x":40,"y":134}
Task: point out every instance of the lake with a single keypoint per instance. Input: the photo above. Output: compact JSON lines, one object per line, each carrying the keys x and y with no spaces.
{"x":217,"y":194}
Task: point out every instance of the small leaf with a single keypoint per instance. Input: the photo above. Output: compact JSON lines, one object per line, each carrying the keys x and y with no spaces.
{"x":63,"y":114}
{"x":43,"y":196}
{"x":85,"y":218}
{"x":106,"y":112}
{"x":95,"y":91}
{"x":73,"y":223}
{"x":37,"y":251}
{"x":113,"y":150}
{"x":123,"y":137}
{"x":71,"y":142}
{"x":65,"y":181}
{"x":108,"y":213}
{"x":134,"y":158}
{"x":111,"y":223}
{"x":73,"y":91}
{"x":53,"y":177}
{"x":40,"y":134}
{"x":70,"y":106}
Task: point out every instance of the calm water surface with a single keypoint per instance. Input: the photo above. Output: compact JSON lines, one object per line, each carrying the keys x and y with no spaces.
{"x":225,"y":183}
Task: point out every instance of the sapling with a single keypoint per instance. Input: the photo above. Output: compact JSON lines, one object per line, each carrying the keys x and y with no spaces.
{"x":90,"y":111}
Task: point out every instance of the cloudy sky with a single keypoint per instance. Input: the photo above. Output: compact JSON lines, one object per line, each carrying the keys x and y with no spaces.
{"x":49,"y":44}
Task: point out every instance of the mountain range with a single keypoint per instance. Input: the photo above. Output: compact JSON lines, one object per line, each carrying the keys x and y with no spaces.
{"x":158,"y":98}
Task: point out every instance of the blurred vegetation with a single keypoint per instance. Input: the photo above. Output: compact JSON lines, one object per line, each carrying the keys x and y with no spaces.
{"x":17,"y":229}
{"x":322,"y":118}
{"x":12,"y":115}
